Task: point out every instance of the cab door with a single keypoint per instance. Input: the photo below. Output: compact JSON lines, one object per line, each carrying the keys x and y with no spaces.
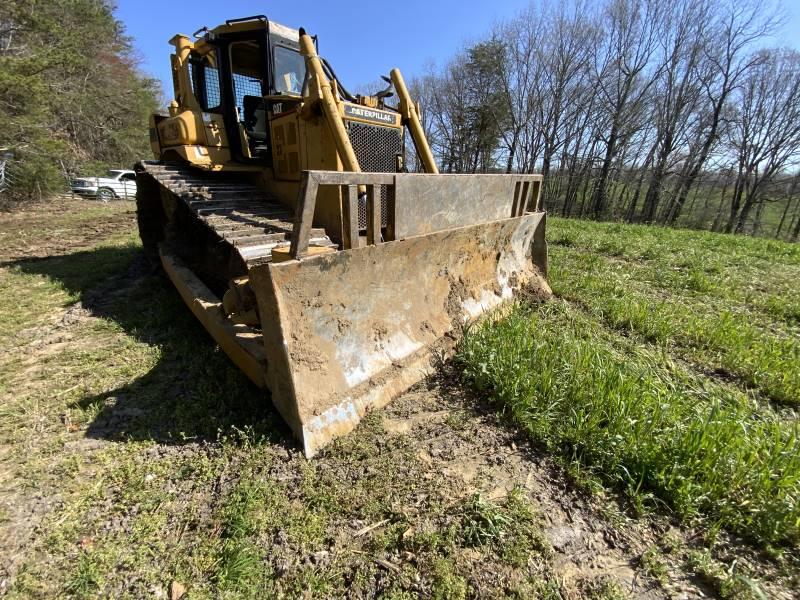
{"x":244,"y":58}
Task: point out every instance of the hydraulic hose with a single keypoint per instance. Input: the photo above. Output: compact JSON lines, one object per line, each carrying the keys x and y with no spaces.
{"x":332,"y":75}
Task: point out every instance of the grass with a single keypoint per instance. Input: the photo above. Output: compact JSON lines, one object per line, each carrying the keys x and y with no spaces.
{"x":619,"y":375}
{"x":726,"y":580}
{"x":751,"y":347}
{"x":512,"y":529}
{"x":166,"y":465}
{"x":135,"y":456}
{"x":238,"y":568}
{"x":724,"y":305}
{"x":654,"y":565}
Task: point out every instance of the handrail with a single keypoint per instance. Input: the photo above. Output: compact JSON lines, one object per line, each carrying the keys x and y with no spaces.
{"x":475,"y":199}
{"x":304,"y":215}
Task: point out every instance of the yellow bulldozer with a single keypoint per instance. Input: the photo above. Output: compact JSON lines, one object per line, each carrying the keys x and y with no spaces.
{"x":282,"y":209}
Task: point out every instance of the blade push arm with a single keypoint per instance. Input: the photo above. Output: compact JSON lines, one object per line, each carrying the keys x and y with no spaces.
{"x":409,"y":112}
{"x":320,"y":90}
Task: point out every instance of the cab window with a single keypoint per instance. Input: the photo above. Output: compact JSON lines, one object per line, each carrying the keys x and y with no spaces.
{"x":247,"y":71}
{"x":205,"y":82}
{"x":290,"y":71}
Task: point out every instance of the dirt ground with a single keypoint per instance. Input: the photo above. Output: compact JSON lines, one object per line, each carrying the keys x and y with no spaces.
{"x":61,"y":226}
{"x":124,"y":453}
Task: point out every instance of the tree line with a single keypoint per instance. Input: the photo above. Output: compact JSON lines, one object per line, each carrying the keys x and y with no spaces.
{"x":72,"y":99}
{"x":639,"y":110}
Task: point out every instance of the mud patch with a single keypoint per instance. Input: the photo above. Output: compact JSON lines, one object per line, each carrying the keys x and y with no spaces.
{"x":461,"y":444}
{"x":408,"y":422}
{"x":454,"y":305}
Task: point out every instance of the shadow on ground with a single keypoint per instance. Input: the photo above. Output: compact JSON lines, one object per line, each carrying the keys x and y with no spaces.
{"x":193,"y":392}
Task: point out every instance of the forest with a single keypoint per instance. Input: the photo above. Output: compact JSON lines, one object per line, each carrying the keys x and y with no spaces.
{"x":72,"y":98}
{"x":673,"y":113}
{"x":637,"y":110}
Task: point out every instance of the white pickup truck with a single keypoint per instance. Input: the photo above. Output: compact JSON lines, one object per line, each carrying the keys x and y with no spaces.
{"x":119,"y":183}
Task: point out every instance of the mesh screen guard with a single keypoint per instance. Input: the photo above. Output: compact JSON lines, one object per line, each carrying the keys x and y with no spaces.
{"x":376,"y":149}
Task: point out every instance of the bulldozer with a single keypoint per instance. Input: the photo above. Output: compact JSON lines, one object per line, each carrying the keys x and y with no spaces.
{"x":284,"y":210}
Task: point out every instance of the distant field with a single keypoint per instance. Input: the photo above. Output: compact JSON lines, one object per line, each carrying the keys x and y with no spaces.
{"x":667,"y":366}
{"x":647,"y":446}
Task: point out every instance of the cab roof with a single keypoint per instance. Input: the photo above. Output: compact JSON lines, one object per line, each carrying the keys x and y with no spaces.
{"x":256,"y":22}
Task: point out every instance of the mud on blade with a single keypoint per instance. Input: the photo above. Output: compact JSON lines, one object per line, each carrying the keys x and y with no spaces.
{"x":348,"y":331}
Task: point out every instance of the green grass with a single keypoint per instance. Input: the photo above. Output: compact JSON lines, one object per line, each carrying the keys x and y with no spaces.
{"x":34,"y":290}
{"x":727,"y":302}
{"x":186,"y":482}
{"x":239,"y":566}
{"x":653,"y":564}
{"x":55,"y":282}
{"x":762,"y":354}
{"x":619,"y":378}
{"x":753,"y":272}
{"x":512,"y":529}
{"x":143,"y":457}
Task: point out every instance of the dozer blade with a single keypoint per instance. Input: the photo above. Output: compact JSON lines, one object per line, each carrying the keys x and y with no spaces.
{"x":348,"y":331}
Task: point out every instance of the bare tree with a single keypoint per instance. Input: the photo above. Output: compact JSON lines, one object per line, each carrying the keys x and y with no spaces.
{"x":632,"y":109}
{"x":726,"y":50}
{"x":519,"y":78}
{"x":676,"y":91}
{"x":790,"y":191}
{"x":623,"y":77}
{"x":766,"y":134}
{"x":565,"y":54}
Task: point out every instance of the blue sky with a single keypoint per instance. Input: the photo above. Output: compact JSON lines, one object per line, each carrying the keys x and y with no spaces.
{"x":361,"y":40}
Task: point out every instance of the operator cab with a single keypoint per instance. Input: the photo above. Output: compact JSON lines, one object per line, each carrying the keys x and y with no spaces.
{"x":251,"y":70}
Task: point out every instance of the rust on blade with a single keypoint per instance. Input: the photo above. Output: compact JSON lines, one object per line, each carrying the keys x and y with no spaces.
{"x":346,"y":332}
